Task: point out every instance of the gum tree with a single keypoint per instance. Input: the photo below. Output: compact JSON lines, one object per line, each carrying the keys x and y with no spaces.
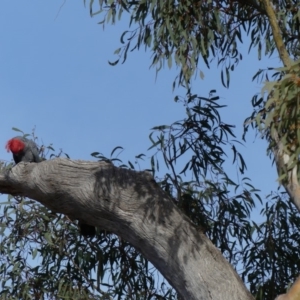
{"x":192,"y":227}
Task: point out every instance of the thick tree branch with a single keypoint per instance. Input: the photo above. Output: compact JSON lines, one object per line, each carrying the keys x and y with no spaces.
{"x":291,"y":185}
{"x":284,"y":56}
{"x":293,"y":293}
{"x":133,"y":206}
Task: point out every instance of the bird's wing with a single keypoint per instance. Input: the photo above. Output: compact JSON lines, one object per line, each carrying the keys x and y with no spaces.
{"x":34,"y":150}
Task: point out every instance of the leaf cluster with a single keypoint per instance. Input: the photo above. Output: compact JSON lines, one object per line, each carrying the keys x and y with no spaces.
{"x":43,"y":256}
{"x":271,"y":258}
{"x":277,"y":116}
{"x":191,"y":33}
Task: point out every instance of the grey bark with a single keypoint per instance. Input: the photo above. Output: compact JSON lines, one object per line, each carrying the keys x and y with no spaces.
{"x":282,"y":160}
{"x":133,"y":206}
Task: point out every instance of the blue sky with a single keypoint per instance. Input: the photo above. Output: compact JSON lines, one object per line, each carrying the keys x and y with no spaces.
{"x":55,"y":76}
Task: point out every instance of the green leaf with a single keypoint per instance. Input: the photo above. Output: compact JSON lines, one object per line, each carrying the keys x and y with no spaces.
{"x":18,"y":130}
{"x":117,"y":51}
{"x":131,"y":165}
{"x":114,"y":63}
{"x":115,"y":149}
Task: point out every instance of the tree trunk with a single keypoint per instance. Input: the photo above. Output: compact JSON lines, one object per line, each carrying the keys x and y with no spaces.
{"x":132,"y":205}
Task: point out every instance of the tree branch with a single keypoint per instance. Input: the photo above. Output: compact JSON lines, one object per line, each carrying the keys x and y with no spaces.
{"x":293,"y":293}
{"x":284,"y":56}
{"x":133,"y":206}
{"x":291,"y":185}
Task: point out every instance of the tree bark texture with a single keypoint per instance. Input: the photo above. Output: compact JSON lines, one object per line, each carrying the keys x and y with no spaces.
{"x":291,"y":184}
{"x":132,"y":205}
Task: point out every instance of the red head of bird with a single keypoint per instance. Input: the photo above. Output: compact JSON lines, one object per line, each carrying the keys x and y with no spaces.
{"x":15,"y":145}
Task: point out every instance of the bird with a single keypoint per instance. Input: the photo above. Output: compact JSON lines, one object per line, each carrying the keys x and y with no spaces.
{"x":23,"y":149}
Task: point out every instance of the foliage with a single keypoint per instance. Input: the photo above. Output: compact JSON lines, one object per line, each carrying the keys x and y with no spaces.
{"x":182,"y":32}
{"x":276,"y":114}
{"x":211,"y":200}
{"x":44,"y":257}
{"x":42,"y":254}
{"x":270,"y":259}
